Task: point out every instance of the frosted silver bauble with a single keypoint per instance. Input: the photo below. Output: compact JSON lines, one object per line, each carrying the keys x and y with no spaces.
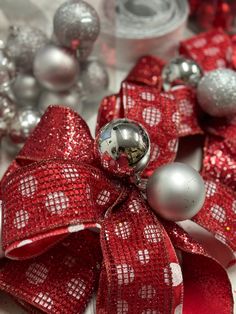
{"x":216,"y":93}
{"x":123,"y":147}
{"x":71,"y":98}
{"x":55,"y":68}
{"x":26,"y":88}
{"x":23,"y":124}
{"x":176,"y":191}
{"x":76,"y":24}
{"x":181,"y":71}
{"x":94,"y":78}
{"x":22,"y":44}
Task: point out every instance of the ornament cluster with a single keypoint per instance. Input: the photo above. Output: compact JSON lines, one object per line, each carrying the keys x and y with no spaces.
{"x":36,"y":71}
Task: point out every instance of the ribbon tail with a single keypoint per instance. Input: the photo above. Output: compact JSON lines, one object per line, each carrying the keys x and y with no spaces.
{"x":207,"y":289}
{"x":61,"y":281}
{"x":141,"y":272}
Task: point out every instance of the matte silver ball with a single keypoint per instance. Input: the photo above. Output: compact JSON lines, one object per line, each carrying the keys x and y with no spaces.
{"x":181,"y":71}
{"x":7,"y":113}
{"x":216,"y":93}
{"x":94,"y":78}
{"x":76,"y":23}
{"x":22,"y":44}
{"x":26,"y":88}
{"x":55,"y":68}
{"x":23,"y":124}
{"x":123,"y":147}
{"x":176,"y":191}
{"x":7,"y":70}
{"x":71,"y":98}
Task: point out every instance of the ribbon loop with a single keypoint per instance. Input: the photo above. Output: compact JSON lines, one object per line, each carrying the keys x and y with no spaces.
{"x":52,"y":199}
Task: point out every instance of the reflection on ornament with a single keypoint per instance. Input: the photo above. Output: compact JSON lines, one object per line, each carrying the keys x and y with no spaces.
{"x":123,"y":147}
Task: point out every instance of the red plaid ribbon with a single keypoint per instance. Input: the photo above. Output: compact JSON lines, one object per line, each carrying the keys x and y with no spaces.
{"x":55,"y":196}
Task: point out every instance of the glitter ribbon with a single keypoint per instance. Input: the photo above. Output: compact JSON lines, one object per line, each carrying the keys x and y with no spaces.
{"x":55,"y":195}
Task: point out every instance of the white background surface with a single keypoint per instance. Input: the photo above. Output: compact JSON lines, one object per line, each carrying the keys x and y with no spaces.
{"x":40,"y":12}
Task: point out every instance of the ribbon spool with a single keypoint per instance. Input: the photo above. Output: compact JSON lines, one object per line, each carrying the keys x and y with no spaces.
{"x":133,"y":28}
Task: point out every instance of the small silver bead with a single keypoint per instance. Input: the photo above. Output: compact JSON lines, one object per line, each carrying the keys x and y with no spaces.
{"x":176,"y":191}
{"x":26,"y":88}
{"x":181,"y":71}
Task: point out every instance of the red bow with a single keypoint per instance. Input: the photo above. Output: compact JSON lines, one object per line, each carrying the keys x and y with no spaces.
{"x":55,"y":193}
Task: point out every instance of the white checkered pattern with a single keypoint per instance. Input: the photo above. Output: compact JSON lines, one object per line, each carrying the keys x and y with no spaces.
{"x":103,"y":198}
{"x":76,"y":288}
{"x":28,"y":186}
{"x":44,"y":300}
{"x":147,"y":292}
{"x":152,"y":233}
{"x":57,"y":202}
{"x":36,"y":273}
{"x":122,"y":230}
{"x":21,"y":219}
{"x":70,"y":173}
{"x":218,"y":213}
{"x":125,"y":274}
{"x":152,"y":116}
{"x":143,"y":256}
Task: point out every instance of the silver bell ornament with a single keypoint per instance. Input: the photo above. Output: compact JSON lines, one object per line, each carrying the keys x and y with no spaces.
{"x":56,"y":68}
{"x":76,"y":23}
{"x":26,"y":88}
{"x":23,"y":124}
{"x":176,"y":191}
{"x":123,"y":147}
{"x":7,"y":70}
{"x":216,"y":93}
{"x":71,"y":98}
{"x":181,"y":71}
{"x":22,"y":44}
{"x":7,"y":113}
{"x":94,"y":79}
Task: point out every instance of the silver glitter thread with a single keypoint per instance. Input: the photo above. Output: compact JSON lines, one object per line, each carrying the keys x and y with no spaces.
{"x":216,"y":93}
{"x":76,"y":23}
{"x":22,"y":44}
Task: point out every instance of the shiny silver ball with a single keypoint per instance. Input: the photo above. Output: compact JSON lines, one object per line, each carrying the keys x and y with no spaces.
{"x":176,"y":191}
{"x":23,"y":124}
{"x":181,"y":71}
{"x":76,"y":23}
{"x":94,"y":78}
{"x":55,"y":68}
{"x":26,"y":88}
{"x":216,"y":92}
{"x":22,"y":44}
{"x":123,"y":147}
{"x":7,"y":113}
{"x":7,"y":70}
{"x":71,"y":98}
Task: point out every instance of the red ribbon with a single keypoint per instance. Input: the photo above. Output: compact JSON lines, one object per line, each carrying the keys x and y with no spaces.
{"x":55,"y":194}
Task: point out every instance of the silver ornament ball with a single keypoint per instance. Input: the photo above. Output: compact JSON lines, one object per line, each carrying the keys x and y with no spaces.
{"x":7,"y":113}
{"x":7,"y":70}
{"x":94,"y":78}
{"x":181,"y":71}
{"x":55,"y":68}
{"x":76,"y":23}
{"x":23,"y":124}
{"x":216,"y":93}
{"x":71,"y":98}
{"x":123,"y":147}
{"x":176,"y":191}
{"x":22,"y":44}
{"x":26,"y":88}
